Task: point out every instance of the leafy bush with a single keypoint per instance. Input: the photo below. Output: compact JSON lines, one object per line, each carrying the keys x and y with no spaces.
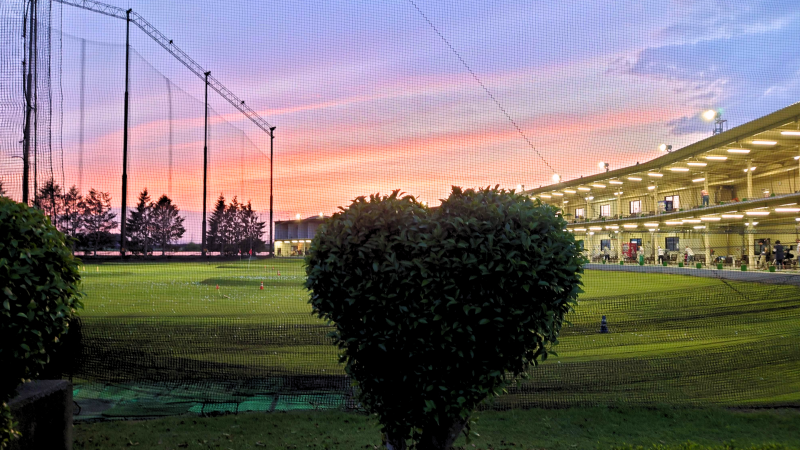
{"x":38,"y":297}
{"x":436,"y":310}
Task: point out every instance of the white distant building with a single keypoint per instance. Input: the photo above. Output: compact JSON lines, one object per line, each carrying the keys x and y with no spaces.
{"x":293,"y":237}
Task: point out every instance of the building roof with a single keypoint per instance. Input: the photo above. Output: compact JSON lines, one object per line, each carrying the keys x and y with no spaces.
{"x":689,"y":159}
{"x":316,"y":218}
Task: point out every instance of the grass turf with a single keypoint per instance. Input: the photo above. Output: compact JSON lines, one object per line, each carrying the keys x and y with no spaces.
{"x":573,"y":428}
{"x":674,"y":338}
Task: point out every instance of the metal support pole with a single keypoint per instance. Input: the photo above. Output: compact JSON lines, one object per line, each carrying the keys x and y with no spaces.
{"x":748,"y":235}
{"x":749,"y":179}
{"x":124,"y":214}
{"x":26,"y":145}
{"x":205,"y":169}
{"x":271,"y":223}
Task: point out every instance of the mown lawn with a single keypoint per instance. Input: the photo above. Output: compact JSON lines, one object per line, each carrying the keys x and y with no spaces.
{"x":674,"y":339}
{"x":572,"y":428}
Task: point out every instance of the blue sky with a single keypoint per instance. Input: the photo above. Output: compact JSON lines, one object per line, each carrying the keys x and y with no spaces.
{"x":368,"y":98}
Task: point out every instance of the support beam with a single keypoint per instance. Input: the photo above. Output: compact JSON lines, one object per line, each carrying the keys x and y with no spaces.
{"x":655,"y":199}
{"x":29,"y":87}
{"x":748,"y":236}
{"x":654,"y":244}
{"x":707,"y":247}
{"x":124,"y":213}
{"x":173,"y":49}
{"x":271,"y":246}
{"x":203,"y":249}
{"x":749,"y":180}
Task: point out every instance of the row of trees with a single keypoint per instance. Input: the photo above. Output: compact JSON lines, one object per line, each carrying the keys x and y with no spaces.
{"x":153,"y":223}
{"x":234,"y":228}
{"x":88,"y":220}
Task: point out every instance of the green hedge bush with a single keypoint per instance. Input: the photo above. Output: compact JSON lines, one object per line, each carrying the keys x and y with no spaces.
{"x":38,"y":297}
{"x":437,"y":309}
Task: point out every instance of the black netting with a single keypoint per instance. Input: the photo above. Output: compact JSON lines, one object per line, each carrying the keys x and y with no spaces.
{"x":682,"y":245}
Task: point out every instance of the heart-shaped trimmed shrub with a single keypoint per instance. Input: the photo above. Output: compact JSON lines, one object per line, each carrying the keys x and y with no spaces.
{"x":436,"y":309}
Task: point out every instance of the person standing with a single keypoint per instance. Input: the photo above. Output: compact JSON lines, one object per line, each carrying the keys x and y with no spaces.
{"x":704,"y":194}
{"x":779,"y":255}
{"x":606,"y":254}
{"x":660,"y":255}
{"x":689,"y":254}
{"x":762,"y":255}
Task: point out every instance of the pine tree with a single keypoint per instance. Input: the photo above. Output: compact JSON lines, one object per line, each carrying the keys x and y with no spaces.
{"x":140,"y":225}
{"x":168,"y":225}
{"x":213,"y":238}
{"x":72,"y":219}
{"x":98,"y":220}
{"x":233,"y":228}
{"x":252,"y":230}
{"x":50,"y":200}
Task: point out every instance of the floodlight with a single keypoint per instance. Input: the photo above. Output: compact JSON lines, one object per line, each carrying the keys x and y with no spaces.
{"x":665,"y":148}
{"x":556,"y":178}
{"x":709,"y":115}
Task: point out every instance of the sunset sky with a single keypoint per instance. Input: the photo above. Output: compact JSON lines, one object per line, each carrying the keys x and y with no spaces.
{"x":367,"y":97}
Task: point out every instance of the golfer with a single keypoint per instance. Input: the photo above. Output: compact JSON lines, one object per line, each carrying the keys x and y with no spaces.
{"x":689,"y":254}
{"x":660,"y":255}
{"x":779,"y":256}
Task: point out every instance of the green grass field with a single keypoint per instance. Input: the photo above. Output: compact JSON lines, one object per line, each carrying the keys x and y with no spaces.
{"x":674,"y":339}
{"x":661,"y":428}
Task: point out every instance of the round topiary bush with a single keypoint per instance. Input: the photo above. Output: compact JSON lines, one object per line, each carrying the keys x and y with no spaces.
{"x":38,"y":297}
{"x":437,"y":309}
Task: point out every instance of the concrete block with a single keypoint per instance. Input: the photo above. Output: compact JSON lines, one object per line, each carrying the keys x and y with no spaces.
{"x":43,"y":410}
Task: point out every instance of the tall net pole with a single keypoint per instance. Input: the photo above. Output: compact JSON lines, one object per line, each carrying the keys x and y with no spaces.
{"x":124,"y":213}
{"x":205,"y":167}
{"x":26,"y":148}
{"x":271,"y":246}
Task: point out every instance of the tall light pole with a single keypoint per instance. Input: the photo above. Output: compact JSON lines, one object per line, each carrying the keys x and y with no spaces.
{"x":124,"y":215}
{"x":716,"y":116}
{"x":205,"y":168}
{"x":271,"y":158}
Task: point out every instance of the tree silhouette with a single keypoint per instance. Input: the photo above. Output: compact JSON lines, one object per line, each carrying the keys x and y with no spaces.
{"x":72,"y":218}
{"x":50,"y":200}
{"x":140,"y":225}
{"x":214,"y":238}
{"x":98,"y":220}
{"x":234,"y":228}
{"x":168,"y":225}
